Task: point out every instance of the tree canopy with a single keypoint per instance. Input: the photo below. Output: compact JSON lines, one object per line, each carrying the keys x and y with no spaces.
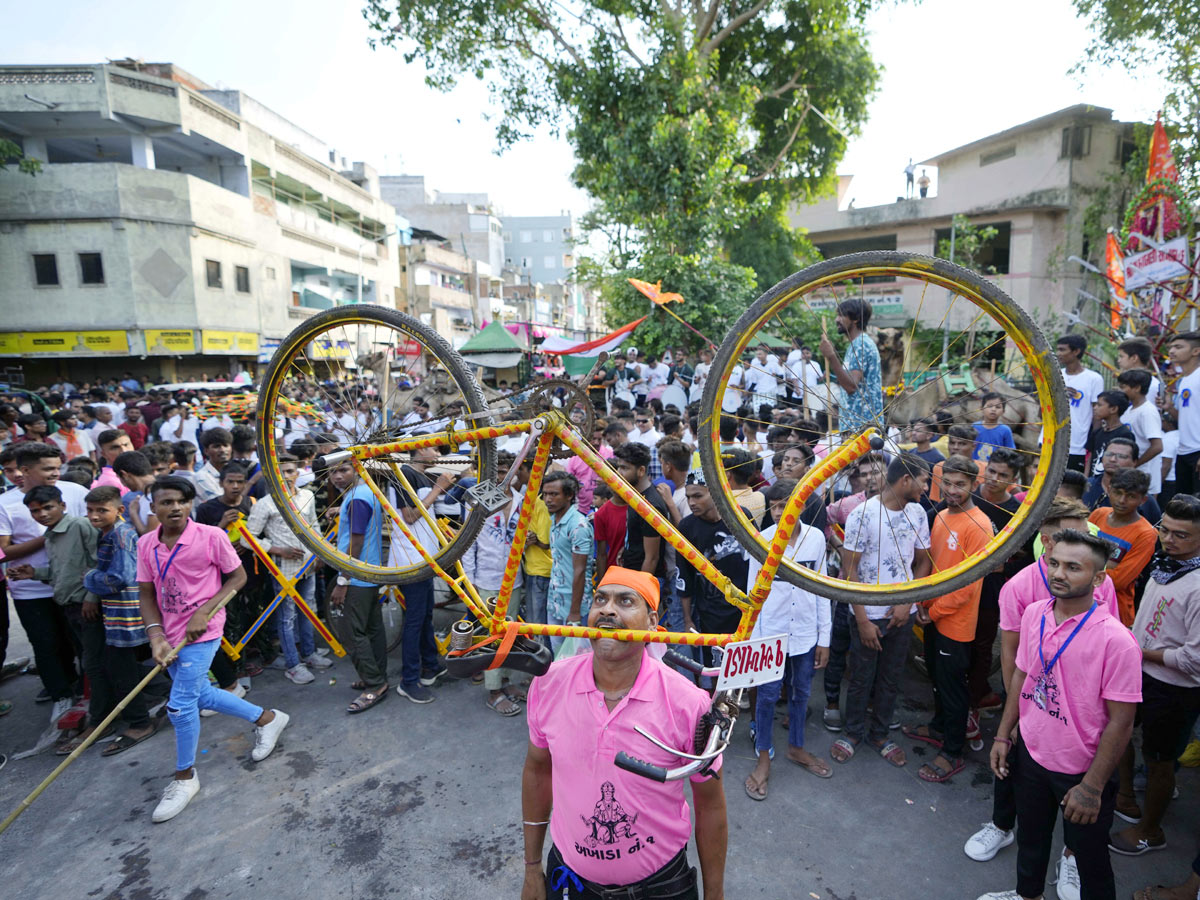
{"x":694,"y":124}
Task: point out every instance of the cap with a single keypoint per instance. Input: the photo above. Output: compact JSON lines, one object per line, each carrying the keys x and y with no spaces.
{"x":642,"y":582}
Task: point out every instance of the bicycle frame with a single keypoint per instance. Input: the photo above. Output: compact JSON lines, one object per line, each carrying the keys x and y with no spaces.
{"x":543,"y":431}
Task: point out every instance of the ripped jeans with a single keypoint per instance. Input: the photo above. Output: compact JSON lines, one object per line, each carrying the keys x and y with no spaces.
{"x":192,"y":692}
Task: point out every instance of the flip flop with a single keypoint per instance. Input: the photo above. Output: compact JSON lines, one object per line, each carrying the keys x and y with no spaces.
{"x":911,"y":732}
{"x":1151,"y":892}
{"x":367,"y":699}
{"x":760,"y":794}
{"x":515,"y":692}
{"x":938,"y":774}
{"x":889,"y":750}
{"x":69,"y":747}
{"x":513,"y":708}
{"x":124,"y":741}
{"x":826,"y":772}
{"x":847,"y":748}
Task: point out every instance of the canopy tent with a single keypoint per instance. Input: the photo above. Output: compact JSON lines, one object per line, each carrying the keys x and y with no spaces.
{"x":770,"y":341}
{"x":494,"y":347}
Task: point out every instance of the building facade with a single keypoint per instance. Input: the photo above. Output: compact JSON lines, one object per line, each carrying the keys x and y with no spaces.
{"x":1031,"y":182}
{"x":175,"y":230}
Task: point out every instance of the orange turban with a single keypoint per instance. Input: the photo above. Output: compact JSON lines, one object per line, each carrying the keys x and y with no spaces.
{"x":642,"y":582}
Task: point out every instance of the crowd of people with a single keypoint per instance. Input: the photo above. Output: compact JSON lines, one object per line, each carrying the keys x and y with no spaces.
{"x":115,"y":533}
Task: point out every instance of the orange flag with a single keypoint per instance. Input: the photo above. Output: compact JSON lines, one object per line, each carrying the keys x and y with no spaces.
{"x":654,"y":292}
{"x":1162,"y":160}
{"x":1116,"y":279}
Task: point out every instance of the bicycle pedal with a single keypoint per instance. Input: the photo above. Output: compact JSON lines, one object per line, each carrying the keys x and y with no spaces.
{"x":488,"y":495}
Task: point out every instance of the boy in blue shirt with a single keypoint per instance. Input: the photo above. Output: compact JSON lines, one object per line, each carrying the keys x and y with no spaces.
{"x":991,"y":433}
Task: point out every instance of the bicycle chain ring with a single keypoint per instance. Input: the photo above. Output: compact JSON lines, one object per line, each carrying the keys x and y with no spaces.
{"x":541,"y":398}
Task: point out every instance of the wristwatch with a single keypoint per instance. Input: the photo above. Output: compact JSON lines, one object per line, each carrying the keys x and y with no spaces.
{"x":343,"y":581}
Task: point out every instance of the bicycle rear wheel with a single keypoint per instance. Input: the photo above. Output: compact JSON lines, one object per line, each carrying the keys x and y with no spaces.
{"x":358,"y":375}
{"x":990,"y":327}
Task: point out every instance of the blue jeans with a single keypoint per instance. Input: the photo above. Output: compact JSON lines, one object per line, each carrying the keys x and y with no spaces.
{"x":285,"y":621}
{"x":191,"y":692}
{"x":800,"y":668}
{"x":555,"y":640}
{"x":537,"y":588}
{"x":416,"y":635}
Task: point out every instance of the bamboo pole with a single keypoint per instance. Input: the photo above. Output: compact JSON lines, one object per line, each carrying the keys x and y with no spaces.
{"x":99,"y":730}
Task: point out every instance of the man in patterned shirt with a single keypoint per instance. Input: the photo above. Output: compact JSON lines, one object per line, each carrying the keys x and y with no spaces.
{"x":858,"y":373}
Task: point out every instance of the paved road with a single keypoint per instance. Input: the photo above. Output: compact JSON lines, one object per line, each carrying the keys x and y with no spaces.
{"x":424,"y":802}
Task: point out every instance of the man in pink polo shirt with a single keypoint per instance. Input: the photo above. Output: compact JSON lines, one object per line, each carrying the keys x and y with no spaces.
{"x":612,"y":829}
{"x":1031,"y":585}
{"x":1074,"y":690}
{"x":184,"y":571}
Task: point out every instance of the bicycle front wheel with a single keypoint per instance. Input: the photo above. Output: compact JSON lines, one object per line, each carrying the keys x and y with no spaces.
{"x":961,"y":337}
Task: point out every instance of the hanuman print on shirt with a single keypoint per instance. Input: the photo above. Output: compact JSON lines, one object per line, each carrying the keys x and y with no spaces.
{"x":610,"y":824}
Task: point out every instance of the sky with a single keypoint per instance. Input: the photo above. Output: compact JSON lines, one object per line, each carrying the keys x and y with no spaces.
{"x":955,"y":71}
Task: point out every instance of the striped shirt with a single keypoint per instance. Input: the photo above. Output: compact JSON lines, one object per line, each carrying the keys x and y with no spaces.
{"x":267,"y":524}
{"x":114,"y":581}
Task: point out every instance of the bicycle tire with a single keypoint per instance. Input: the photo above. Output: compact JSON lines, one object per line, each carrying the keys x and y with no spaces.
{"x":472,"y":396}
{"x":1033,"y":346}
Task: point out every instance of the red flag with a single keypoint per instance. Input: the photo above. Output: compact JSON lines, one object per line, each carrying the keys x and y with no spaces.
{"x":1116,"y":278}
{"x":1162,"y":160}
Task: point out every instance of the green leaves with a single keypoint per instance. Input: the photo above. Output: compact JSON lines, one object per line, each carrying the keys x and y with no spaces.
{"x":11,"y":153}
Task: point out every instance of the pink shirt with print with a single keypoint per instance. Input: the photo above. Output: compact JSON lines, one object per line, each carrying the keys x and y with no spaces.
{"x":611,"y":826}
{"x":1028,"y":586}
{"x":192,"y":577}
{"x":1103,"y":662}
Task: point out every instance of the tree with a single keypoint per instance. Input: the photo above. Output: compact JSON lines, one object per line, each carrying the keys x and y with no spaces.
{"x":1160,"y":35}
{"x":10,"y":152}
{"x":969,"y":242}
{"x":694,"y":124}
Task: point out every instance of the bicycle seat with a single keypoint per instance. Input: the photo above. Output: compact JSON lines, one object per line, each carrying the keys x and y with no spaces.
{"x":526,"y":655}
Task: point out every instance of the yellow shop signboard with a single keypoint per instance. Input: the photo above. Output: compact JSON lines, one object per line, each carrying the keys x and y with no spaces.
{"x":233,"y":343}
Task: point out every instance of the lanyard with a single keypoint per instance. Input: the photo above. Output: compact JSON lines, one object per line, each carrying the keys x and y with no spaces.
{"x":163,"y":570}
{"x":1042,"y":634}
{"x":1045,"y":580}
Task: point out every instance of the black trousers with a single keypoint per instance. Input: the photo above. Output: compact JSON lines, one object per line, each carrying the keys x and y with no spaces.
{"x":671,"y":882}
{"x":839,"y":648}
{"x":1076,"y":461}
{"x":3,"y":621}
{"x":112,"y":672}
{"x":1039,"y":794}
{"x":1186,"y":479}
{"x":980,"y":670}
{"x":1004,"y":792}
{"x":54,"y":648}
{"x":947,"y":661}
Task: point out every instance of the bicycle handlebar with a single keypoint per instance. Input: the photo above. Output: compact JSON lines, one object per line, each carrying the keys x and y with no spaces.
{"x":640,"y":767}
{"x":717,"y":743}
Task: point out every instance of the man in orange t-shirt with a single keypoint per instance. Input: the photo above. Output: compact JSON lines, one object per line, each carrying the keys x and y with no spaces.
{"x":960,"y":531}
{"x":1132,"y":537}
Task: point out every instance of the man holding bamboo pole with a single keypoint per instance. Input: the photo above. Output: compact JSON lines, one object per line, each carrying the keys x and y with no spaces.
{"x":185,"y":571}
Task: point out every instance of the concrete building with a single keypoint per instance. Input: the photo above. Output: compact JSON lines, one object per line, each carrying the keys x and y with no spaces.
{"x":541,"y":248}
{"x":442,"y":288}
{"x":175,"y":229}
{"x":1032,"y":182}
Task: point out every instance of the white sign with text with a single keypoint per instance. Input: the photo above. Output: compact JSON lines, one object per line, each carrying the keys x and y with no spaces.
{"x":754,"y":662}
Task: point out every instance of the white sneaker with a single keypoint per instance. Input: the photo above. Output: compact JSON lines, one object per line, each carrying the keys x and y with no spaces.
{"x":1068,"y":878}
{"x":1000,"y":895}
{"x":317,"y":661}
{"x":267,"y":735}
{"x":299,"y":674}
{"x":238,"y":691}
{"x":176,"y":797}
{"x":60,"y":709}
{"x":987,"y":842}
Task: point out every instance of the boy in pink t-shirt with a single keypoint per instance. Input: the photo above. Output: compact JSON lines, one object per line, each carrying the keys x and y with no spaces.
{"x":1076,"y":684}
{"x":185,"y":571}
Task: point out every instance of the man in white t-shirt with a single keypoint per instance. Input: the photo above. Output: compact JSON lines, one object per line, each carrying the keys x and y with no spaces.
{"x":887,"y":542}
{"x":656,"y":372}
{"x":1083,"y":387}
{"x":1145,"y":422}
{"x":1184,"y":406}
{"x":763,"y":379}
{"x":732,"y":399}
{"x":22,"y":540}
{"x":700,"y":376}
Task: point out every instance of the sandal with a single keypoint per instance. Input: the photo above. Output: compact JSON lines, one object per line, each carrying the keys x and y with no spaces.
{"x":125,"y":741}
{"x":68,"y":747}
{"x":929,"y":737}
{"x":822,"y":772}
{"x":359,"y":685}
{"x":512,"y":709}
{"x":515,"y":692}
{"x":891,"y":751}
{"x":843,"y":749}
{"x":759,"y":793}
{"x":932,"y":772}
{"x":367,"y":699}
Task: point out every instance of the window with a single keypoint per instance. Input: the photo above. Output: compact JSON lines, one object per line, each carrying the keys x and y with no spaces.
{"x":242,"y":274}
{"x":508,"y":237}
{"x":526,"y":237}
{"x":986,"y":159}
{"x":1076,"y":142}
{"x":271,"y":272}
{"x":212,"y":270}
{"x":993,"y":255}
{"x":91,"y":269}
{"x":550,"y":262}
{"x":547,"y":235}
{"x":45,"y":269}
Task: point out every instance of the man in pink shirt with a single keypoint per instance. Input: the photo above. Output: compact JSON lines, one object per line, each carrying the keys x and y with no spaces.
{"x":1030,"y":585}
{"x":612,"y":829}
{"x":1075,"y":687}
{"x":112,"y":443}
{"x":184,"y":571}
